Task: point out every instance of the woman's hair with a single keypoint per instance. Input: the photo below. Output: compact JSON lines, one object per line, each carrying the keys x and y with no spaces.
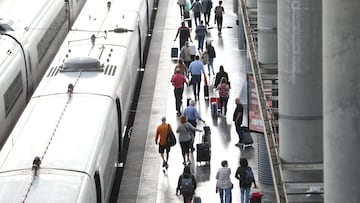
{"x":243,"y":162}
{"x":182,"y":119}
{"x":181,"y":60}
{"x":221,"y":68}
{"x":223,"y":80}
{"x":224,"y":163}
{"x":187,"y":170}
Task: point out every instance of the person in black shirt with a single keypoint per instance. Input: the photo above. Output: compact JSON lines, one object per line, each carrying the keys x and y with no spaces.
{"x":184,"y":33}
{"x":237,"y":118}
{"x":219,"y":75}
{"x":188,"y":195}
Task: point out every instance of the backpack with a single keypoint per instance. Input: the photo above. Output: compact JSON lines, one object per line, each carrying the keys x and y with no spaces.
{"x":249,"y":177}
{"x":187,"y":186}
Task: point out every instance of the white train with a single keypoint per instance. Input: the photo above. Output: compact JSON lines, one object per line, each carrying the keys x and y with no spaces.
{"x":66,"y":143}
{"x":31,"y":33}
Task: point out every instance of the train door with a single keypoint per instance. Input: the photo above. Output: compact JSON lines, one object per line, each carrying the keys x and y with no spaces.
{"x":118,"y":109}
{"x":98,"y":187}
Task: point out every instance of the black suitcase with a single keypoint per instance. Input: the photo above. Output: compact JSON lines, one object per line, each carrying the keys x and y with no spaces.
{"x":207,"y":130}
{"x":203,"y":152}
{"x":206,"y":91}
{"x":246,"y":139}
{"x":206,"y":139}
{"x":174,"y":52}
{"x":197,"y":199}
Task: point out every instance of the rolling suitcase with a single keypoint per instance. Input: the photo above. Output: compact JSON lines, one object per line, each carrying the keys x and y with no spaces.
{"x":197,"y":199}
{"x":214,"y":108}
{"x":255,"y":197}
{"x":206,"y":88}
{"x":174,"y":52}
{"x":246,"y":139}
{"x":215,"y":99}
{"x":203,"y":152}
{"x":206,"y":139}
{"x":207,"y":130}
{"x":206,"y":91}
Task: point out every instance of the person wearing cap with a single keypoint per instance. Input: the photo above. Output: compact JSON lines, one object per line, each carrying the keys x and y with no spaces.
{"x":178,"y":80}
{"x":193,"y":117}
{"x":160,"y":138}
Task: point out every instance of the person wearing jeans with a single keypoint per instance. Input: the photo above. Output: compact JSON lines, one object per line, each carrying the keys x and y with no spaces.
{"x":224,"y":183}
{"x":245,"y":186}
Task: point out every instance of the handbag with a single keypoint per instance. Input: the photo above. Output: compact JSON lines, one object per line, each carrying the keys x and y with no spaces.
{"x":170,"y":138}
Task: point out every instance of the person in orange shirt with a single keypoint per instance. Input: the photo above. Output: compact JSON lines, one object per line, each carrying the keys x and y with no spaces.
{"x":160,"y":138}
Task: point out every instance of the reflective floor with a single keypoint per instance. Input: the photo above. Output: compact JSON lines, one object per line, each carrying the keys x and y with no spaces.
{"x":144,"y":179}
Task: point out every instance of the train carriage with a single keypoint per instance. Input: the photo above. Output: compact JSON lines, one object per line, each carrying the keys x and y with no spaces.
{"x":67,"y":142}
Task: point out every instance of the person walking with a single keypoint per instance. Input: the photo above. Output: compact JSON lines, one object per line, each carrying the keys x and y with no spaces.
{"x":201,"y":34}
{"x":237,"y":118}
{"x":186,"y":131}
{"x":224,"y":184}
{"x":211,"y":55}
{"x":186,"y":185}
{"x":196,"y":8}
{"x":181,"y":4}
{"x":224,"y":89}
{"x":246,"y":178}
{"x":185,"y":53}
{"x":220,"y":75}
{"x":187,"y":16}
{"x":219,"y":11}
{"x":207,"y":6}
{"x":193,"y":116}
{"x":184,"y":33}
{"x":160,"y":138}
{"x":181,"y":65}
{"x":178,"y":80}
{"x":196,"y":69}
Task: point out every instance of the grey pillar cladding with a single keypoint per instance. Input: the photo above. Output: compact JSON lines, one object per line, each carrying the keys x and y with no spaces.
{"x":300,"y":80}
{"x":341,"y":47}
{"x":251,"y":3}
{"x":267,"y":26}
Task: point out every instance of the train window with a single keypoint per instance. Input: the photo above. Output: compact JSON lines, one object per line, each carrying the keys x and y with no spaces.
{"x":51,"y":33}
{"x":12,"y":93}
{"x":5,"y":27}
{"x":98,"y":187}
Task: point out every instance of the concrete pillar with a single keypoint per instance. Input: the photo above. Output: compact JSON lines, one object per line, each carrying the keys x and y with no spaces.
{"x":341,"y":86}
{"x":241,"y":33}
{"x":267,"y":28}
{"x":251,"y":3}
{"x":300,"y":80}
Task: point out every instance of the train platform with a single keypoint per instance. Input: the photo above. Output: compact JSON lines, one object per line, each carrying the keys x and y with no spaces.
{"x":143,"y":179}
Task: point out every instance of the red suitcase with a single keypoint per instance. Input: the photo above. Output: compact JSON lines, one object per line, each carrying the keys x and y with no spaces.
{"x":215,"y":99}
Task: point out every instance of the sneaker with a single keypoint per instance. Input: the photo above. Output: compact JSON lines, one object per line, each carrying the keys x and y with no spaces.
{"x":189,"y":162}
{"x":184,"y":163}
{"x":166,"y":165}
{"x":238,"y":144}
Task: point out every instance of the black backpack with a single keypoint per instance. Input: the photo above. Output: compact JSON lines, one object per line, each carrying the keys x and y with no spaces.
{"x":249,"y":177}
{"x":187,"y":186}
